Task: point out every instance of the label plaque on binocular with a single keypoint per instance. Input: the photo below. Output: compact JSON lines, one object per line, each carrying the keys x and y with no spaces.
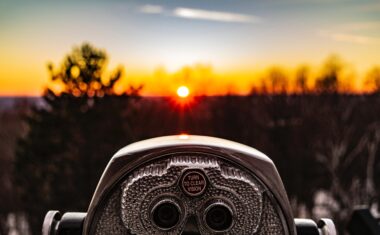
{"x":193,"y":183}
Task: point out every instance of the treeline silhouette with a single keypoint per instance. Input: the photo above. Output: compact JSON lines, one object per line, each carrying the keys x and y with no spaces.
{"x":324,"y":144}
{"x":334,"y":75}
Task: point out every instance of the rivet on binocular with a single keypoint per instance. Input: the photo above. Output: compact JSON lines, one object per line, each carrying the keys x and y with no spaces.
{"x":187,"y":185}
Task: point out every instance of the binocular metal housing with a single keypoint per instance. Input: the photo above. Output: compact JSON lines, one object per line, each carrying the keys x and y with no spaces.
{"x":187,"y":184}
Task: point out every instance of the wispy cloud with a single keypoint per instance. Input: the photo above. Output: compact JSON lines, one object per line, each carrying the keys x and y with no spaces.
{"x":344,"y":37}
{"x":151,"y":9}
{"x":222,"y":16}
{"x":370,"y":7}
{"x":313,"y":1}
{"x":199,"y":14}
{"x":365,"y":32}
{"x":349,"y":37}
{"x":360,"y":26}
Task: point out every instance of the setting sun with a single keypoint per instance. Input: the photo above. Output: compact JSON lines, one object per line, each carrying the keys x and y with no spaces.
{"x":183,"y":91}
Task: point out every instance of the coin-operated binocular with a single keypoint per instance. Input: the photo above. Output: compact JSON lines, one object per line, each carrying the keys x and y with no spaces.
{"x":187,"y":185}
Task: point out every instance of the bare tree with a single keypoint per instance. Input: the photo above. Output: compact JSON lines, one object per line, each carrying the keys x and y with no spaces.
{"x":302,"y":80}
{"x":373,"y":79}
{"x":330,"y":79}
{"x":276,"y":81}
{"x":349,"y":155}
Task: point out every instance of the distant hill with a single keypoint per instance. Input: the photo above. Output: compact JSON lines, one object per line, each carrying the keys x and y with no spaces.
{"x":9,"y":102}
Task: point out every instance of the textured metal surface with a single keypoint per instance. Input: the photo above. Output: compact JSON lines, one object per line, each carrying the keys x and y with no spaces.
{"x":109,"y":221}
{"x":271,"y":223}
{"x":128,"y":208}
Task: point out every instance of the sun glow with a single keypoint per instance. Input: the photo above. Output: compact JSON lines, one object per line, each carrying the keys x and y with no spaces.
{"x":183,"y":91}
{"x":183,"y":136}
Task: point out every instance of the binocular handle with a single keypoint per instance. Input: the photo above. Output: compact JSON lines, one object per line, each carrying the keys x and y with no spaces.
{"x":70,"y":223}
{"x":309,"y":227}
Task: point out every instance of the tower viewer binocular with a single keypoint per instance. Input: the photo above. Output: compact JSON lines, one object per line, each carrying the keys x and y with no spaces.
{"x":187,"y":185}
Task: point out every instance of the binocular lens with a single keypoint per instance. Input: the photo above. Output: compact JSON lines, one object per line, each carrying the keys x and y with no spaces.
{"x":219,"y":217}
{"x":166,"y":215}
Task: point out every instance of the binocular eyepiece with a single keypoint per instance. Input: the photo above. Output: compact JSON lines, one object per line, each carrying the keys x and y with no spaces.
{"x":187,"y":185}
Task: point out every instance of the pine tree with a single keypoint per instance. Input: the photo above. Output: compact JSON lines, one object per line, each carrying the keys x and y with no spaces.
{"x":72,"y":136}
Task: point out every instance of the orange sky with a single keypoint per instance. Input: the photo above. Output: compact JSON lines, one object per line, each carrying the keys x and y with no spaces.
{"x":200,"y":78}
{"x":229,"y":46}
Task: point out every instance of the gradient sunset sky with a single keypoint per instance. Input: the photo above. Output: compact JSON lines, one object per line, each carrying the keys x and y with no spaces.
{"x":232,"y":41}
